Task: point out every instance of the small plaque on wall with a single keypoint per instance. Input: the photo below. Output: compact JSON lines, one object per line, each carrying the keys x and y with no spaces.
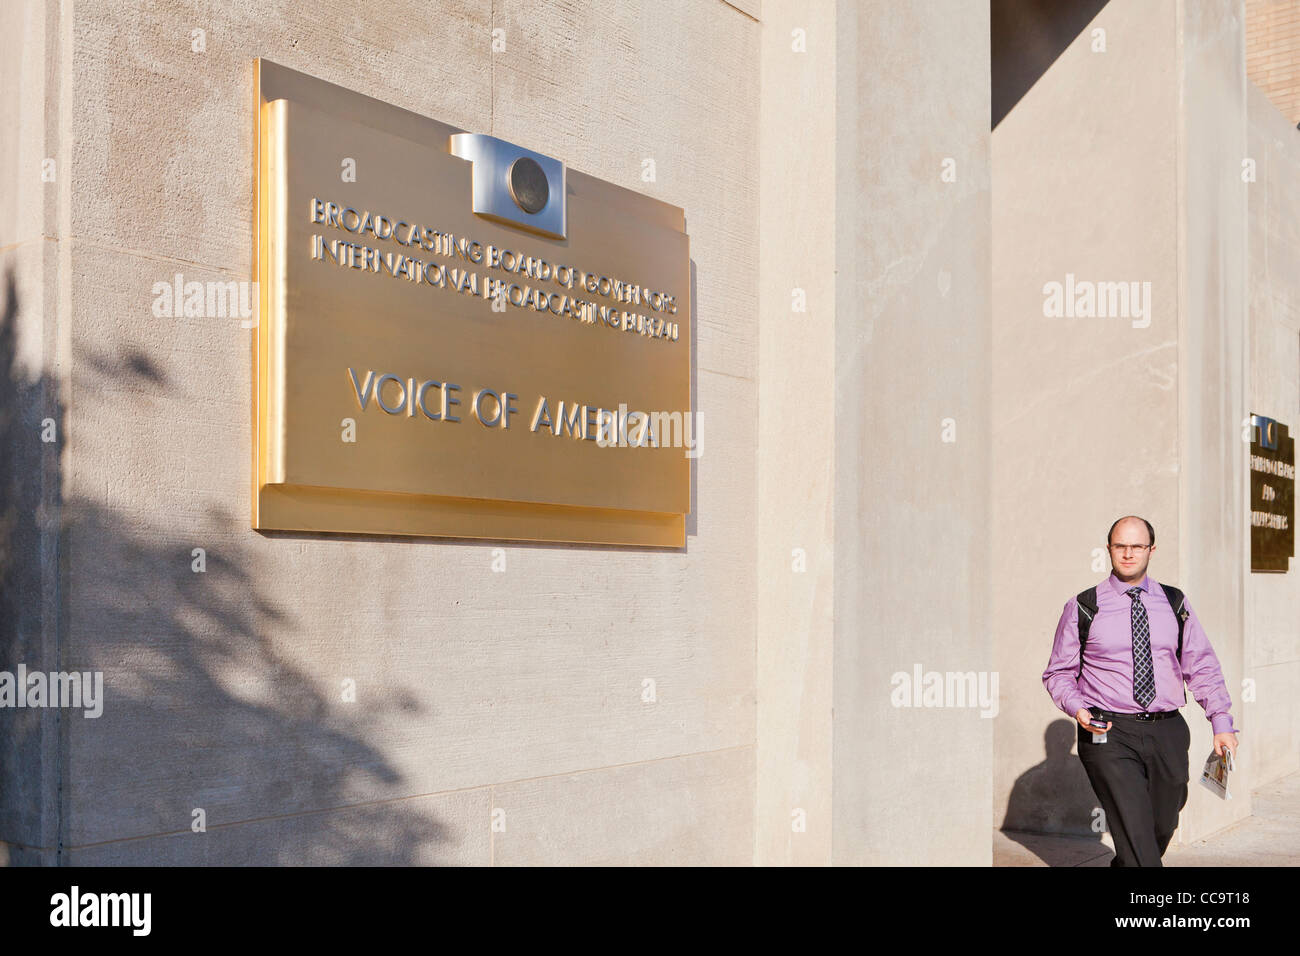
{"x":1272,"y":495}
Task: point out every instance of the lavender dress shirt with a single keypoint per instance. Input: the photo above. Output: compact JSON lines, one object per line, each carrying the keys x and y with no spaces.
{"x":1107,"y":680}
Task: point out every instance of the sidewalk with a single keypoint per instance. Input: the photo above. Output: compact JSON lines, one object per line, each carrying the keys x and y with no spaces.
{"x":1270,"y":837}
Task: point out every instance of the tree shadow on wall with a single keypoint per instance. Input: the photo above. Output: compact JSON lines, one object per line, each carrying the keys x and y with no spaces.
{"x":202,"y":708}
{"x":1054,"y":798}
{"x":27,"y":466}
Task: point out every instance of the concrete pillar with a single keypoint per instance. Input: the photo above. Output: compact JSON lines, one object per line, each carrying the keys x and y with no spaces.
{"x":35,"y":277}
{"x":798,"y":121}
{"x":1116,"y":158}
{"x":873,"y":436}
{"x":1272,"y":640}
{"x":1213,"y":372}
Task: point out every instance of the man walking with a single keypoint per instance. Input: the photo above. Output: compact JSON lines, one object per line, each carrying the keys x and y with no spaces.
{"x":1129,"y":673}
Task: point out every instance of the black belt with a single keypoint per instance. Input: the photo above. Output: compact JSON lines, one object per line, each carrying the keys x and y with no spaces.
{"x":1145,"y":715}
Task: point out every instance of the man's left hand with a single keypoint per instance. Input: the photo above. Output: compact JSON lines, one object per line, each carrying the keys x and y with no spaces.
{"x":1226,"y":741}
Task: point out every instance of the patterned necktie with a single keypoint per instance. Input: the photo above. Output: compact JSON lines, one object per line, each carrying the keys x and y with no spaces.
{"x":1144,"y":681}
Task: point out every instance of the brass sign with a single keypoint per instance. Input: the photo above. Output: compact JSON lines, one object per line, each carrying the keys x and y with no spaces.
{"x":1272,"y":495}
{"x":458,"y":336}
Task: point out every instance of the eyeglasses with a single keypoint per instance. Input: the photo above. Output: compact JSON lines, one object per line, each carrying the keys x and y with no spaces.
{"x":1124,"y":548}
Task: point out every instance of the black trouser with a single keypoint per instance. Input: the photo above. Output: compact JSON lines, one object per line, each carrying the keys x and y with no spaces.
{"x":1140,"y":776}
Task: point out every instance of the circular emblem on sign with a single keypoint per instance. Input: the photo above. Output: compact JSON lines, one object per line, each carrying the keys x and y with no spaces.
{"x":528,"y":186}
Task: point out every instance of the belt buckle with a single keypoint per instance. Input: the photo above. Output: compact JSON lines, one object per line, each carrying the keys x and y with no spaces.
{"x":1145,"y":715}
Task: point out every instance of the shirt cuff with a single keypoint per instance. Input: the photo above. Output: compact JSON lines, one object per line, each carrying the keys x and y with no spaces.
{"x":1074,"y":704}
{"x":1222,"y":724}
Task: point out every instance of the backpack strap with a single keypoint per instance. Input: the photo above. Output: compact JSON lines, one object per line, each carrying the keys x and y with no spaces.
{"x":1178,"y":603}
{"x":1087,"y":605}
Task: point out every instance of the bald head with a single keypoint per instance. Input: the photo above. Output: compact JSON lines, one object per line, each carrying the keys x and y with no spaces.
{"x":1130,"y":542}
{"x":1131,"y":525}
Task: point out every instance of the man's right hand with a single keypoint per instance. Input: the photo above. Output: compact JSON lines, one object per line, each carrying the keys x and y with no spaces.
{"x":1083,"y":716}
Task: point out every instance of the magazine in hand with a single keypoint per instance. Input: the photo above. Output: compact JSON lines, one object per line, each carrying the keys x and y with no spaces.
{"x":1215,"y":775}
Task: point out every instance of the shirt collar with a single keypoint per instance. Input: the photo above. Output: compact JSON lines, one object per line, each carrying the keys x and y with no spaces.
{"x":1120,"y":588}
